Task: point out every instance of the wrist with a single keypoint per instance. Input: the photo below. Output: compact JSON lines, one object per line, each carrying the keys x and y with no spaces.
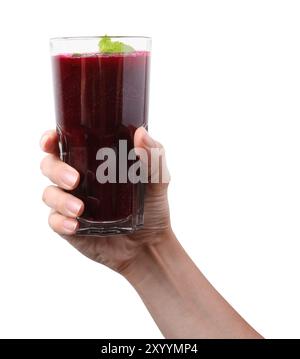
{"x":154,"y":260}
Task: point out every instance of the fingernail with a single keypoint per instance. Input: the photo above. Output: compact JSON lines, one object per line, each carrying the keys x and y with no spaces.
{"x":70,"y":225}
{"x":73,"y":207}
{"x":43,"y":141}
{"x":148,"y":141}
{"x":69,"y":178}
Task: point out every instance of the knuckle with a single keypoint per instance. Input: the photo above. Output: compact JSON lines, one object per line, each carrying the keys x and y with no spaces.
{"x":52,"y":222}
{"x":47,"y":194}
{"x":44,"y":195}
{"x":42,"y":164}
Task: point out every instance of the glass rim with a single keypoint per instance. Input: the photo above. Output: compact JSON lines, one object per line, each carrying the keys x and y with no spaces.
{"x":63,"y":38}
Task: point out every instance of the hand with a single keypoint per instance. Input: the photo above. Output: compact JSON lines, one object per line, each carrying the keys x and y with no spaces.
{"x":178,"y":296}
{"x":117,"y":252}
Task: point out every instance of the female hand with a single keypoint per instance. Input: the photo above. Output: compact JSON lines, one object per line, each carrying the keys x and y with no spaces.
{"x":178,"y":296}
{"x":118,"y":251}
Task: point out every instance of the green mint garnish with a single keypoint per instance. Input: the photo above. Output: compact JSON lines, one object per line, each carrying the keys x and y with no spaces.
{"x":76,"y":54}
{"x":107,"y":46}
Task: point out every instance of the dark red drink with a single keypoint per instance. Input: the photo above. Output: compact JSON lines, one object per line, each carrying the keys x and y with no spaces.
{"x":101,"y":99}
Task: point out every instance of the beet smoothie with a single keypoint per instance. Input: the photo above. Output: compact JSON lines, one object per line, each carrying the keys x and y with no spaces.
{"x":101,"y":99}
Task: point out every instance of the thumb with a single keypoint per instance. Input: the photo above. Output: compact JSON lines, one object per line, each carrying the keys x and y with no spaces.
{"x":152,"y":155}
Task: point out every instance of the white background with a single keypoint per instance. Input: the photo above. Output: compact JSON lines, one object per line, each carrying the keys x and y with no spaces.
{"x":225,"y":102}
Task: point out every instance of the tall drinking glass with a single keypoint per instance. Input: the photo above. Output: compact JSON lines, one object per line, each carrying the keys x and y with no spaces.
{"x":101,"y":98}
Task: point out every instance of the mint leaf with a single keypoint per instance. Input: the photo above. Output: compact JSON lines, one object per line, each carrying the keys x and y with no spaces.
{"x":107,"y":46}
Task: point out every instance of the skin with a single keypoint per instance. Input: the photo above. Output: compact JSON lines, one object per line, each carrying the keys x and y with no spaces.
{"x":180,"y":299}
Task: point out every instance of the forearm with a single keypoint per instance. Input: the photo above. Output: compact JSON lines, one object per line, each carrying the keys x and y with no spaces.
{"x":180,"y":299}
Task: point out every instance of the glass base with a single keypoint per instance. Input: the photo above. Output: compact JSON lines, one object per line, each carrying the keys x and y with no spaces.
{"x":109,"y":228}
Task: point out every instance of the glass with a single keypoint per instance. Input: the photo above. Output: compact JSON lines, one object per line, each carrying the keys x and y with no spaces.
{"x":101,"y":99}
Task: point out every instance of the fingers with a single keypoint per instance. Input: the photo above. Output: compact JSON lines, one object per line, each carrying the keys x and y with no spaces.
{"x":61,"y":224}
{"x":63,"y":202}
{"x":49,"y":142}
{"x":59,"y":172}
{"x":155,"y":159}
{"x":65,"y":207}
